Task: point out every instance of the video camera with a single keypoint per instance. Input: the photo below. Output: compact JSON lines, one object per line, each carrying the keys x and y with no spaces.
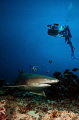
{"x":53,"y":29}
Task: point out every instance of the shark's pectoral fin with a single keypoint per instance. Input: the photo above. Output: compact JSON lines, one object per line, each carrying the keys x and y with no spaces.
{"x":39,"y":92}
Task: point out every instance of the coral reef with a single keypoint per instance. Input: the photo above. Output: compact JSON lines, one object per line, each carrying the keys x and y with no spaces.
{"x":61,"y":115}
{"x":66,"y":88}
{"x":2,"y":110}
{"x":31,"y":108}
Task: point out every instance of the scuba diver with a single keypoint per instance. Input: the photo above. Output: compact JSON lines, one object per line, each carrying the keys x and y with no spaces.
{"x":63,"y":31}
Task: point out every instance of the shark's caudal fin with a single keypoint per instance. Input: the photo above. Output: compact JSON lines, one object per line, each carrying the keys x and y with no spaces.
{"x":17,"y":86}
{"x":9,"y":86}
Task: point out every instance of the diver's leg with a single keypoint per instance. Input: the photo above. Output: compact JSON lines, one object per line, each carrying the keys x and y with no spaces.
{"x":72,"y":48}
{"x":65,"y":39}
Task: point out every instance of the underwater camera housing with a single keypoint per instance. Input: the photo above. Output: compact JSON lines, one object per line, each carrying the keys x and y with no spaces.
{"x":53,"y":29}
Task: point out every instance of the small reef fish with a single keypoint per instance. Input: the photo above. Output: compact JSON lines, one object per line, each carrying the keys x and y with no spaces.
{"x":34,"y":68}
{"x":47,"y":71}
{"x":75,"y":69}
{"x":50,"y":61}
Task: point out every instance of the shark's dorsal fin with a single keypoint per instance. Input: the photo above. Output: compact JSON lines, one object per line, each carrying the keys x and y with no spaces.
{"x":20,"y":72}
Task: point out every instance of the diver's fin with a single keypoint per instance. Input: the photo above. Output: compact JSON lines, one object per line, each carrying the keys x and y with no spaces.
{"x":75,"y":58}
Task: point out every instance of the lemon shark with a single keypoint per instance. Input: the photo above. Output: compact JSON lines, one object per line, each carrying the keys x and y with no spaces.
{"x":35,"y":83}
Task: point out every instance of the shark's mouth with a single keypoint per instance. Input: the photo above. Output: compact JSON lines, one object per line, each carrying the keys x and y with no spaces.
{"x":45,"y":84}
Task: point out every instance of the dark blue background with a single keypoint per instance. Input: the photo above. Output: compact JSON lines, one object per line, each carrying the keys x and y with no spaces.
{"x":24,"y":40}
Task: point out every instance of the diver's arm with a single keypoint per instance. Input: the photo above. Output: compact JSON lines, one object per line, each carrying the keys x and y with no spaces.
{"x":66,"y":33}
{"x":63,"y":33}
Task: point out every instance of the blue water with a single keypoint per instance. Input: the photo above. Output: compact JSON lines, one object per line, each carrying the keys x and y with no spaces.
{"x":24,"y":40}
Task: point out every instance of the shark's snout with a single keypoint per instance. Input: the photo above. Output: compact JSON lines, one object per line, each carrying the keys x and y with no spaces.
{"x":48,"y":83}
{"x":55,"y":81}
